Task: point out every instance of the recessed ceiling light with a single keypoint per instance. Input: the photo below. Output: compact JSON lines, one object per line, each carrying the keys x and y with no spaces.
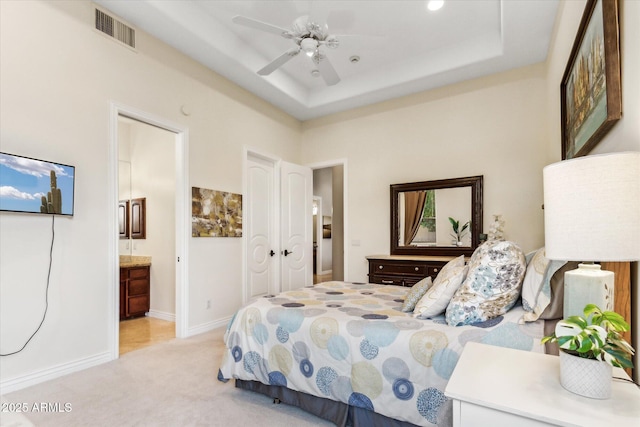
{"x":315,"y":73}
{"x":354,"y":59}
{"x":434,"y":5}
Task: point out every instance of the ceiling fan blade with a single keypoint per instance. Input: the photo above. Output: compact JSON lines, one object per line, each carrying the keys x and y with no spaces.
{"x":327,"y":71}
{"x":278,"y":62}
{"x":259,"y":25}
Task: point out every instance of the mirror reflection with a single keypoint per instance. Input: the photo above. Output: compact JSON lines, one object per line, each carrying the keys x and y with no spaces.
{"x":124,"y":197}
{"x":435,"y":217}
{"x":440,"y":217}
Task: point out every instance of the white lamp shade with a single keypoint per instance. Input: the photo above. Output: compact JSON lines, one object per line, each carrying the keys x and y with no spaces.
{"x":592,"y":208}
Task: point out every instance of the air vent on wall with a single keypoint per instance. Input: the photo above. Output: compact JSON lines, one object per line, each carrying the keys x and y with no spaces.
{"x":116,"y":29}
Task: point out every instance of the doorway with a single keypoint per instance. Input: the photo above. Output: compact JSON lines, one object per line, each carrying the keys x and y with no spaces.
{"x":329,"y":202}
{"x":146,"y":195}
{"x":170,"y":302}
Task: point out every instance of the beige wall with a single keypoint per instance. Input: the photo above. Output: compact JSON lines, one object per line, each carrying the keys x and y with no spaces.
{"x":625,"y":135}
{"x":57,"y":79}
{"x":494,"y":126}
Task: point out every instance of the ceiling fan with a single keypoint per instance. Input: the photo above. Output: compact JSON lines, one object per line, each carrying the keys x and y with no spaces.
{"x":309,"y":37}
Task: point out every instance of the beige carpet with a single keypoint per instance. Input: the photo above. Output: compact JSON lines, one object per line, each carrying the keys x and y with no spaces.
{"x":169,"y":384}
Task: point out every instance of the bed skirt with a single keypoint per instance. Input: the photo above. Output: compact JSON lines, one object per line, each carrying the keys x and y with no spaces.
{"x":339,"y":413}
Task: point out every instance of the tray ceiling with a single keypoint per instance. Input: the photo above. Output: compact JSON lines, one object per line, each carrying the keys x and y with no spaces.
{"x":402,"y":47}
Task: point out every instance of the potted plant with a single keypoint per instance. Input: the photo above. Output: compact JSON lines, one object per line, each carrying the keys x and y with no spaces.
{"x":458,"y":233}
{"x":589,"y":347}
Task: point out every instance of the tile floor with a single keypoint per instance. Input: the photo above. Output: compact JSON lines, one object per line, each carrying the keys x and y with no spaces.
{"x":143,"y":332}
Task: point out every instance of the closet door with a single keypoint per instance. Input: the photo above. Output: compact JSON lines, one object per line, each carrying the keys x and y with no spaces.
{"x":260,"y":216}
{"x":296,"y":225}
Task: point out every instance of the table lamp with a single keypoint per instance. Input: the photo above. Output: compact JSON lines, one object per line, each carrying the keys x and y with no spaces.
{"x":592,"y":213}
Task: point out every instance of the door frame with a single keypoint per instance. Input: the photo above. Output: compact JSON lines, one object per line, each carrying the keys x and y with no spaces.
{"x":345,"y":207}
{"x":182,"y":219}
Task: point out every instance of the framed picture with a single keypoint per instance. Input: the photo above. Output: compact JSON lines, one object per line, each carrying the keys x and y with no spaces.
{"x":215,"y":213}
{"x":591,"y":92}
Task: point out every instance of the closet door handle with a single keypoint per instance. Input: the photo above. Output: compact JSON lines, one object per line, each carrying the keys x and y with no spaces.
{"x":272,"y":253}
{"x":286,"y":252}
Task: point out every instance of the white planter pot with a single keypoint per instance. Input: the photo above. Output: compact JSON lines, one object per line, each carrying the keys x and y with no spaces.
{"x":586,"y":377}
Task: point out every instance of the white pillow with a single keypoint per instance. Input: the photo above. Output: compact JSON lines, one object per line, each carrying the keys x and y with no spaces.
{"x":437,"y":298}
{"x":533,"y":300}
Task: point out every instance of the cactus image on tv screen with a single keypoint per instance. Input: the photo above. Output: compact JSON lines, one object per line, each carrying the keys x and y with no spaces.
{"x":35,"y":186}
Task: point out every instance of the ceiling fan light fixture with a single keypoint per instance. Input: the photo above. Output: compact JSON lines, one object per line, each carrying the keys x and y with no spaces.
{"x":309,"y":46}
{"x":331,"y":42}
{"x":434,"y":5}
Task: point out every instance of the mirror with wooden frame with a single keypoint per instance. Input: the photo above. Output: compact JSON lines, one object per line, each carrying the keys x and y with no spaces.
{"x":439,"y":218}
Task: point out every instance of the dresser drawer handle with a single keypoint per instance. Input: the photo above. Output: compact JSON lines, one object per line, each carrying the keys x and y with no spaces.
{"x":381,"y":267}
{"x":435,"y":270}
{"x":417,"y":268}
{"x":388,"y":282}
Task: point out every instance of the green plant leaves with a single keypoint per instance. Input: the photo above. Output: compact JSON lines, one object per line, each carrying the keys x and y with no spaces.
{"x":597,"y":336}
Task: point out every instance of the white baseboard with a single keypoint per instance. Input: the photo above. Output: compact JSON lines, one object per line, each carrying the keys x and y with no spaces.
{"x":18,"y":383}
{"x":171,"y":317}
{"x":63,"y":369}
{"x":208,"y":326}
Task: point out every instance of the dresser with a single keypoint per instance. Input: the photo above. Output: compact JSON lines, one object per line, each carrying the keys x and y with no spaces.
{"x":503,"y":387}
{"x":404,"y":270}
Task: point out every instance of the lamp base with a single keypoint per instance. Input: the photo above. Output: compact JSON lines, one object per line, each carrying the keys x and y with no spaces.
{"x":587,"y":285}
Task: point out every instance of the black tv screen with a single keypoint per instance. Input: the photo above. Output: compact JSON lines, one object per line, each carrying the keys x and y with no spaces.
{"x":35,"y":186}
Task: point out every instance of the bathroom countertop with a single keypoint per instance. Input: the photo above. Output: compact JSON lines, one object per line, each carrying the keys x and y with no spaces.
{"x":134,"y":261}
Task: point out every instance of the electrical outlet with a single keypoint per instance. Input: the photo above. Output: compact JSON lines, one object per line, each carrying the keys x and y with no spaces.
{"x":208,"y":304}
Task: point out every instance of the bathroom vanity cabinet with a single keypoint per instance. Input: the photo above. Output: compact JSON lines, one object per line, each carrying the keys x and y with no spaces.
{"x":135,"y":287}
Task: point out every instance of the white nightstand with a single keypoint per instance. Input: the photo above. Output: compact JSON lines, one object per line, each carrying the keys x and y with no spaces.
{"x":495,"y":386}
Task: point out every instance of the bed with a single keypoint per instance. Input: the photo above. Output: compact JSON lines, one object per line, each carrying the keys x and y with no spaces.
{"x":347,"y":352}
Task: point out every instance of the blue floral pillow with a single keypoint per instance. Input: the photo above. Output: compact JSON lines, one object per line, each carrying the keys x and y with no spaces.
{"x":492,"y":285}
{"x":415,"y":293}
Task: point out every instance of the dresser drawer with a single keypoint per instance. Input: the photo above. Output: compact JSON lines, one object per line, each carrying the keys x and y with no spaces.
{"x":139,"y":273}
{"x":138,"y":287}
{"x":395,"y":280}
{"x":403,"y":272}
{"x":433,"y":270}
{"x":138,"y":305}
{"x":387,"y":280}
{"x":401,"y":269}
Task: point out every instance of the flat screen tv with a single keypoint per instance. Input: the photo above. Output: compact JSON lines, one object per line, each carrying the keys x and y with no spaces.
{"x":35,"y":186}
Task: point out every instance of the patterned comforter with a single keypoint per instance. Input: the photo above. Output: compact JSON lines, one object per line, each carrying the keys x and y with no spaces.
{"x":351,"y":343}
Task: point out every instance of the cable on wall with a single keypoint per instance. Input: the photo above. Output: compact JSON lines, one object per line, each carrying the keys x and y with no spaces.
{"x":46,"y":297}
